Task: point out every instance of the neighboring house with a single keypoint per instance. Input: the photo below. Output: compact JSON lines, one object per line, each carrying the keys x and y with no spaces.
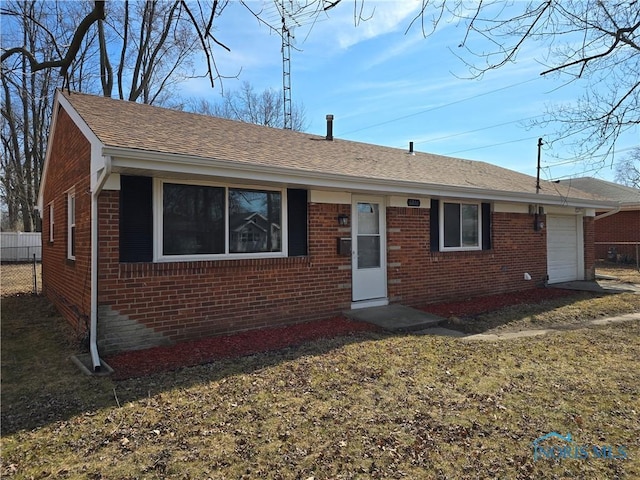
{"x":171,"y":226}
{"x":617,"y":232}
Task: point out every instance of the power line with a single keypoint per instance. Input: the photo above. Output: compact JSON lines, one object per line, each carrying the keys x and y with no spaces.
{"x":431,"y":109}
{"x":437,"y":139}
{"x":492,"y":145}
{"x":570,"y":175}
{"x":569,"y":161}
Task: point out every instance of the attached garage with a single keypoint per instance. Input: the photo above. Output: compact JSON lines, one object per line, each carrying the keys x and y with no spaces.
{"x":565,"y":248}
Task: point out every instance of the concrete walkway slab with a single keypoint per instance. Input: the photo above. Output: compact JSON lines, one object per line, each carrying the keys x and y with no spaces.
{"x":490,"y":337}
{"x":396,"y":318}
{"x":598,"y":286}
{"x":442,"y":332}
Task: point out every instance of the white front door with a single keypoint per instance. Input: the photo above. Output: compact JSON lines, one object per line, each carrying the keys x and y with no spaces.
{"x":369,"y":261}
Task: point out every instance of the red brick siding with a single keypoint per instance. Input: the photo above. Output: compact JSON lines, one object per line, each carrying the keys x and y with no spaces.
{"x":622,"y":227}
{"x":68,"y":283}
{"x":588,"y":229}
{"x":186,"y":300}
{"x":418,"y":276}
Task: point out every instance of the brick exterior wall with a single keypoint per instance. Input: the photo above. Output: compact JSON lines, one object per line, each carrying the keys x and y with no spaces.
{"x":67,"y":283}
{"x":187,"y":300}
{"x":622,"y":227}
{"x":588,"y":232}
{"x":154,"y":303}
{"x":418,"y":276}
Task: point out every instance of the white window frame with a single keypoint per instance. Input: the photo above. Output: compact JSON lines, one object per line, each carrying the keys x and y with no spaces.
{"x":71,"y":225}
{"x":158,"y":209}
{"x":441,"y":217}
{"x":51,"y":222}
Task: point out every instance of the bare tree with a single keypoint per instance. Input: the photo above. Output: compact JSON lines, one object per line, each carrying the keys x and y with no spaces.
{"x":150,"y":48}
{"x":146,"y":48}
{"x":628,"y":169}
{"x":26,"y":106}
{"x":248,"y":106}
{"x":199,"y":15}
{"x":594,"y":42}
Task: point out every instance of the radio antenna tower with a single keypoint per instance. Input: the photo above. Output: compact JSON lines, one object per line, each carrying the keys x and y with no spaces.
{"x":286,"y":63}
{"x":291,"y":14}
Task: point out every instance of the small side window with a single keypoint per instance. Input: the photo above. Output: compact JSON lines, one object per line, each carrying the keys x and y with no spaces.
{"x":51,"y":223}
{"x":71,"y":226}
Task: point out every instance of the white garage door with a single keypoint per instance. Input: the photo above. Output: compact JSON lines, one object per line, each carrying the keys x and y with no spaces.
{"x":564,"y":250}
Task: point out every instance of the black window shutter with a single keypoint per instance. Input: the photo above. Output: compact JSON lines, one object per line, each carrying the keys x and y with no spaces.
{"x":434,"y":225}
{"x":136,"y":219}
{"x":297,"y":221}
{"x":486,"y":226}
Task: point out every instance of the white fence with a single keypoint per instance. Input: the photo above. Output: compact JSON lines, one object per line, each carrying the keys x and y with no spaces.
{"x":20,"y":247}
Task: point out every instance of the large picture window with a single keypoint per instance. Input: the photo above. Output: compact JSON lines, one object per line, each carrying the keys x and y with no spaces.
{"x":461,"y":226}
{"x":211,"y":220}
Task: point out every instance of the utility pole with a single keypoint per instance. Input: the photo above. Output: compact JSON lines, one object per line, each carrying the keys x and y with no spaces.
{"x":538,"y":176}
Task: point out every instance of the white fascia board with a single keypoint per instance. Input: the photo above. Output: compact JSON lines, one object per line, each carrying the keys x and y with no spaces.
{"x":97,"y":160}
{"x":158,"y":163}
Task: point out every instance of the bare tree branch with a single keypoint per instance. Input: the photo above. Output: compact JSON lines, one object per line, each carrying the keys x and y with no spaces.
{"x":64,"y":63}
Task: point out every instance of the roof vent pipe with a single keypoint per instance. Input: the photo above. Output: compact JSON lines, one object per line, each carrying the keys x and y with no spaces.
{"x":330,"y":127}
{"x":411,"y":148}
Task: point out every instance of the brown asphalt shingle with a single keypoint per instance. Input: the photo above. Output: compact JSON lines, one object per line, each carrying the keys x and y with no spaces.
{"x":131,"y":125}
{"x":627,"y":196}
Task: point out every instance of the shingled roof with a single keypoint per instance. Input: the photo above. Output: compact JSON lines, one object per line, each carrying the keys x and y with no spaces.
{"x":627,"y":196}
{"x":145,"y":128}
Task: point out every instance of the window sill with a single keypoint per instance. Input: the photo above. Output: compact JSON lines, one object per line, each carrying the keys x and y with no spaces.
{"x":460,"y":249}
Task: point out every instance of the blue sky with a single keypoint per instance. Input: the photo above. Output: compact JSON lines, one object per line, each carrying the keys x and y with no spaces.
{"x":388,"y":87}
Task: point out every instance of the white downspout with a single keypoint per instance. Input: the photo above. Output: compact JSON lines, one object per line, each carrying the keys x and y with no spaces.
{"x":608,"y":214}
{"x":93,"y":329}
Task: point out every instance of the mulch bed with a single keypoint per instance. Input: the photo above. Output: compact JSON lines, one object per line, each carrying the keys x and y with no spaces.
{"x":138,"y":363}
{"x":490,"y":303}
{"x":145,"y":362}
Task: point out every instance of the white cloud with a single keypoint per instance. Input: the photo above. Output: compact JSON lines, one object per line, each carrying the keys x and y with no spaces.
{"x":378,"y":18}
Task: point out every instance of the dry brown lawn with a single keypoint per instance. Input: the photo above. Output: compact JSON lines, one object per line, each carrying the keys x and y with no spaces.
{"x":18,"y":278}
{"x":624,"y":273}
{"x":364,"y":406}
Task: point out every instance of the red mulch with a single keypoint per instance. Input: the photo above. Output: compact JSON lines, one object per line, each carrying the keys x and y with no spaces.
{"x":478,"y":305}
{"x":145,"y":362}
{"x":138,"y":363}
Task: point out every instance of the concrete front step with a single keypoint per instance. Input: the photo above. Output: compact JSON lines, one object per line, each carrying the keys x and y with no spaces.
{"x":396,"y":318}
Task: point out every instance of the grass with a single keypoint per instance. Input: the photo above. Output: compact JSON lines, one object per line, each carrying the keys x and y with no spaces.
{"x":570,"y":312}
{"x":624,"y":273}
{"x":18,"y":278}
{"x":365,"y":406}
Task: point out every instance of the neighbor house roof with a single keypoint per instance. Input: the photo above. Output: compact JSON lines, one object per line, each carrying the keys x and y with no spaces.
{"x":128,"y":128}
{"x":628,"y":197}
